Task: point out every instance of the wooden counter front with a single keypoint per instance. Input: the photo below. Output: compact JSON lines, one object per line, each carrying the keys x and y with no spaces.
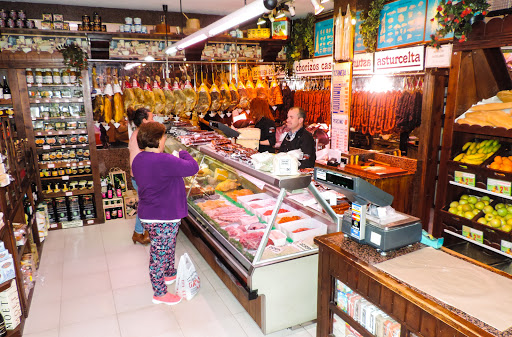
{"x":351,"y":263}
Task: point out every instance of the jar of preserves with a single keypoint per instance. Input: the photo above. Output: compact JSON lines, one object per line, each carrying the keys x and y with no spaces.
{"x":22,"y":15}
{"x":65,"y":76}
{"x":3,"y":14}
{"x":56,"y":76}
{"x":39,"y":76}
{"x":13,"y":14}
{"x":86,"y":19}
{"x":72,"y":76}
{"x":30,"y":76}
{"x":47,"y":77}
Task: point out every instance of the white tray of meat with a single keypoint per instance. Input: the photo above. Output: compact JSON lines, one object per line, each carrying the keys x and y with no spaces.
{"x":253,"y":206}
{"x":244,"y":200}
{"x":277,"y":237}
{"x":265,"y":213}
{"x":251,"y":240}
{"x":303,"y":229}
{"x":236,"y":231}
{"x":289,"y":217}
{"x":257,"y":226}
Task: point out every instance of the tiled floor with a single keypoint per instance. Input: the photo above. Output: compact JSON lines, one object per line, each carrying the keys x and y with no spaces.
{"x":93,"y":281}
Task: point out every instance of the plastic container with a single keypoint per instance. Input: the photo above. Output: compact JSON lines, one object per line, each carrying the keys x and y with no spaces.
{"x":278,"y":237}
{"x":265,"y":213}
{"x":289,"y":214}
{"x":246,"y":199}
{"x":316,"y":228}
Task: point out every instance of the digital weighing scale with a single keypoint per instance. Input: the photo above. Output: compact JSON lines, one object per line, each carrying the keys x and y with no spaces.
{"x":382,"y":231}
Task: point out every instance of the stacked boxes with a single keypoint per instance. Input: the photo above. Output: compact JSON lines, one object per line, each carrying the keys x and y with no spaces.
{"x":43,"y":220}
{"x":365,"y":313}
{"x":61,"y":209}
{"x":74,"y":208}
{"x":54,"y":21}
{"x":6,"y":264}
{"x":10,"y":306}
{"x":52,"y":215}
{"x":131,"y":201}
{"x":87,"y":206}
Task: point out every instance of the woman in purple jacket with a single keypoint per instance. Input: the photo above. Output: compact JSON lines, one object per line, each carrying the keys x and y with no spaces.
{"x":162,"y":203}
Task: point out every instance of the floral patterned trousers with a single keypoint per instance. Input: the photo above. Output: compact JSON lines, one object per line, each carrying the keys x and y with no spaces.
{"x":163,"y":246}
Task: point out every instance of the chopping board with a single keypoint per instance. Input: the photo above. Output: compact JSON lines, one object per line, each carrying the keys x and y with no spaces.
{"x":376,"y":171}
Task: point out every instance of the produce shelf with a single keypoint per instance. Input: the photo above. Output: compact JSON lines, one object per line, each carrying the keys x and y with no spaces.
{"x":482,"y":130}
{"x":60,"y":132}
{"x":477,"y":243}
{"x":481,"y":190}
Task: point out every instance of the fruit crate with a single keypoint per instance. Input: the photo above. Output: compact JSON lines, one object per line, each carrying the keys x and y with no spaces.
{"x":467,"y":221}
{"x":473,"y":153}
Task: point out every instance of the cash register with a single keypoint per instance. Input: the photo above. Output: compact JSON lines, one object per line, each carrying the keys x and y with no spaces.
{"x":370,"y":220}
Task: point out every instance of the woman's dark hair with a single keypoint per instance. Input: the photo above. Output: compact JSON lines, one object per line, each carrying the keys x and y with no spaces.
{"x":259,"y":109}
{"x":149,"y":135}
{"x":137,"y":116}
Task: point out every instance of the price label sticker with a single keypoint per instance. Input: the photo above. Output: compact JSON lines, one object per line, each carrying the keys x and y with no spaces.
{"x":74,"y":164}
{"x":62,"y":117}
{"x":499,"y":186}
{"x":38,"y":101}
{"x":39,"y":85}
{"x":57,"y":100}
{"x":60,"y":132}
{"x":51,"y":165}
{"x":65,"y":177}
{"x":45,"y":118}
{"x":506,"y":247}
{"x":274,"y":249}
{"x":303,"y":246}
{"x":63,"y":146}
{"x":68,"y":165}
{"x":90,"y":222}
{"x":46,"y":147}
{"x":73,"y":146}
{"x":50,"y":132}
{"x":73,"y":132}
{"x":473,"y":234}
{"x":53,"y":225}
{"x":88,"y":163}
{"x":69,"y":194}
{"x":465,"y":178}
{"x":39,"y":134}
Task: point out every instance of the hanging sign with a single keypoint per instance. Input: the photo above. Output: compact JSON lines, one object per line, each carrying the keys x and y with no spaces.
{"x":439,"y":58}
{"x":363,"y":64}
{"x":432,"y":25}
{"x":267,"y":71}
{"x":324,"y":37}
{"x":399,"y":60}
{"x":340,"y":105}
{"x":313,"y":67}
{"x":402,"y":22}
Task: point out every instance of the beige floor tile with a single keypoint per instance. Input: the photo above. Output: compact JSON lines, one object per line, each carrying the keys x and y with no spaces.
{"x":215,"y":281}
{"x":104,"y":327}
{"x":52,"y":257}
{"x":85,"y":285}
{"x":47,"y":333}
{"x":133,"y":298}
{"x":204,"y":307}
{"x":43,"y":316}
{"x":45,"y":291}
{"x":83,"y":309}
{"x":225,"y":327}
{"x":85,"y":266}
{"x":127,"y":277}
{"x":230,"y":301}
{"x":129,"y":257}
{"x":156,"y":320}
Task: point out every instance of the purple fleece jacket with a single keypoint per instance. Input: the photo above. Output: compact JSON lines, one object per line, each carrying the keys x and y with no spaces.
{"x":159,"y":178}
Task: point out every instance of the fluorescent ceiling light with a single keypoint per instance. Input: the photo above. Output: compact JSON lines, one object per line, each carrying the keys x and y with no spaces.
{"x":324,"y":1}
{"x":171,"y":50}
{"x":149,"y":58}
{"x":261,"y":21}
{"x":318,"y":8}
{"x":188,"y":42}
{"x":129,"y":66}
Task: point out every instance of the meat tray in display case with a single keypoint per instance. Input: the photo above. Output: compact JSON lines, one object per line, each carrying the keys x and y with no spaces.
{"x":257,"y":239}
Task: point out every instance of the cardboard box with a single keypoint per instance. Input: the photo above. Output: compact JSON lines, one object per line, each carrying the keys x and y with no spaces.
{"x":131,"y":201}
{"x":281,"y":29}
{"x":260,"y":33}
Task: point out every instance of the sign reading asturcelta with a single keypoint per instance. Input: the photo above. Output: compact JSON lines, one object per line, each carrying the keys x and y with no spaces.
{"x":313,"y":67}
{"x":363,"y":64}
{"x":400,"y":60}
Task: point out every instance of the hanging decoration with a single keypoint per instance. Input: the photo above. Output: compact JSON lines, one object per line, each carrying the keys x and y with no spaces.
{"x":302,"y":41}
{"x":370,"y":25}
{"x":457,"y":17}
{"x":74,"y":56}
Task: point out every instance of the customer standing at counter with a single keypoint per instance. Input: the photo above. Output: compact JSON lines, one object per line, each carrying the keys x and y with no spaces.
{"x":261,"y":115}
{"x":138,"y":117}
{"x":162,"y":203}
{"x":298,"y":138}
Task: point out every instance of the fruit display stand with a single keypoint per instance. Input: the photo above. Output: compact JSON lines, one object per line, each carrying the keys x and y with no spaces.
{"x":478,"y":72}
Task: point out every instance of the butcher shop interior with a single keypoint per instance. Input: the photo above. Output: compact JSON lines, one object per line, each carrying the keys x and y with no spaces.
{"x":255,"y":167}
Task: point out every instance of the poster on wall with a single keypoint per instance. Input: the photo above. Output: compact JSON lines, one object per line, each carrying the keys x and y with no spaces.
{"x":358,"y":38}
{"x":324,"y":38}
{"x":401,"y":22}
{"x":432,"y":26}
{"x":340,"y":105}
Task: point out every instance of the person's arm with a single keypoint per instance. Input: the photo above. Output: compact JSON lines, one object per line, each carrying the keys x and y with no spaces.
{"x":188,"y":165}
{"x":184,"y":166}
{"x":268,"y":132}
{"x":308,"y":149}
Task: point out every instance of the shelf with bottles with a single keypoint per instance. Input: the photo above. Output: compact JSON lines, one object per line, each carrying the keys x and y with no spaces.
{"x":65,"y":158}
{"x":65,"y":173}
{"x":56,"y":140}
{"x":62,"y":163}
{"x":55,"y":111}
{"x":61,"y":132}
{"x":62,"y":209}
{"x":40,"y":77}
{"x":55,"y":100}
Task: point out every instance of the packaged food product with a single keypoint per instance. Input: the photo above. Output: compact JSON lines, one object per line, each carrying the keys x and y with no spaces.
{"x":38,"y":76}
{"x":51,"y":140}
{"x":62,"y":140}
{"x":39,"y":141}
{"x":30,"y":76}
{"x":56,"y":94}
{"x":53,"y":155}
{"x":83,"y":139}
{"x":60,"y":125}
{"x":56,"y":74}
{"x":72,"y":125}
{"x":66,"y":93}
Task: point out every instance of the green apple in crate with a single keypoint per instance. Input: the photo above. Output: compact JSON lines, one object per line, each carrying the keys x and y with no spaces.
{"x":468,"y":206}
{"x":499,"y":217}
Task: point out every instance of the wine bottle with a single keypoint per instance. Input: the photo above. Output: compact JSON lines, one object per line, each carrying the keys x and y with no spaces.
{"x":110,"y":190}
{"x":3,"y":329}
{"x":6,"y":90}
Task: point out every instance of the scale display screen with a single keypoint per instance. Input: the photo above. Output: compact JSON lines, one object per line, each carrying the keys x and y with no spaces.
{"x":336,"y":179}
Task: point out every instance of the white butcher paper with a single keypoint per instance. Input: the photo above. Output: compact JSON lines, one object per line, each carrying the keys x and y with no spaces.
{"x":474,"y":290}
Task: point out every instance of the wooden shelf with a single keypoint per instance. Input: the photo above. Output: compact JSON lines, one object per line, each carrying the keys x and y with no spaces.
{"x":16,"y":332}
{"x":4,"y":286}
{"x":352,"y":322}
{"x":483,"y":130}
{"x":86,"y":222}
{"x":60,"y":132}
{"x":21,"y":250}
{"x":5,"y":101}
{"x":67,"y":177}
{"x":57,"y":118}
{"x":56,"y":147}
{"x":67,"y":194}
{"x":65,"y":165}
{"x":55,"y":100}
{"x":74,"y":85}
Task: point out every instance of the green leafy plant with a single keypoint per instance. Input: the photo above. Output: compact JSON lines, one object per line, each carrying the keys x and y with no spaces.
{"x":457,"y":17}
{"x":302,"y":41}
{"x":370,"y":25}
{"x":74,"y":56}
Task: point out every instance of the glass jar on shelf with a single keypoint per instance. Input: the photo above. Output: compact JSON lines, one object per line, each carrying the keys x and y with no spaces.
{"x":39,"y":76}
{"x":47,"y":77}
{"x":30,"y":76}
{"x":56,"y":76}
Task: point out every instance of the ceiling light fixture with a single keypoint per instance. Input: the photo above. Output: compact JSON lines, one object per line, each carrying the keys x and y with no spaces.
{"x":318,"y":8}
{"x":291,"y":9}
{"x":253,"y":10}
{"x":129,"y":66}
{"x":324,"y":1}
{"x":149,"y":58}
{"x":280,"y":14}
{"x":261,"y":21}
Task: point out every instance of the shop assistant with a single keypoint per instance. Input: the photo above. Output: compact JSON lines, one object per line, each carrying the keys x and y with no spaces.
{"x":298,"y":138}
{"x":260,"y":113}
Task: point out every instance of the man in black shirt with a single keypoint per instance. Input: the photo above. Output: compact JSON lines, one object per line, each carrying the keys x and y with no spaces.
{"x":299,"y":138}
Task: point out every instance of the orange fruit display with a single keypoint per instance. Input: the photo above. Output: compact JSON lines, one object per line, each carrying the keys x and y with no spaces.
{"x":502,"y":164}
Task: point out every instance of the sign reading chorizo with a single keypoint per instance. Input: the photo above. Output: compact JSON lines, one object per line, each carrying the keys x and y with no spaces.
{"x":400,"y":60}
{"x":313,"y":67}
{"x":363,"y":64}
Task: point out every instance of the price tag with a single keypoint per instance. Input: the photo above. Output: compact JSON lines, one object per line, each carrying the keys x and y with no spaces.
{"x":473,"y":234}
{"x":63,"y":146}
{"x":73,"y":132}
{"x":57,"y":100}
{"x":88,"y":163}
{"x":69,"y":194}
{"x":38,"y":101}
{"x":51,"y":165}
{"x":302,"y":246}
{"x":38,"y":134}
{"x":53,"y":225}
{"x":465,"y":178}
{"x":68,"y":165}
{"x":46,"y":147}
{"x":274,"y":249}
{"x":39,"y":85}
{"x":65,"y":177}
{"x":90,"y":222}
{"x":498,"y":186}
{"x":62,"y":117}
{"x":73,"y":146}
{"x":74,"y":164}
{"x":45,"y":118}
{"x":60,"y":132}
{"x":50,"y":132}
{"x":506,"y":247}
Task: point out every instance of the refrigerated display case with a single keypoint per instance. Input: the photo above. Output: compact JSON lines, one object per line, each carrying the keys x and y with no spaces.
{"x":256,"y":237}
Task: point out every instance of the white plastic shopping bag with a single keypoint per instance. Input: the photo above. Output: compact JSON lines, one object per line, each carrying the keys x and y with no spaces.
{"x":187,"y":279}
